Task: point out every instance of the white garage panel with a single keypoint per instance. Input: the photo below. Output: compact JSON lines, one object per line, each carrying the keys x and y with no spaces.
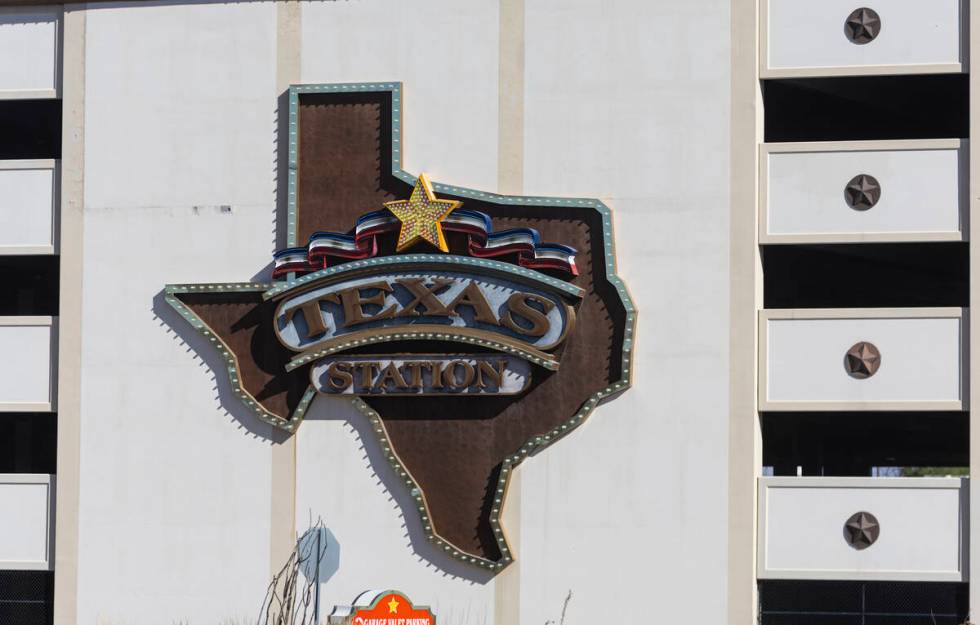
{"x":27,"y":207}
{"x":25,"y":516}
{"x":922,"y":186}
{"x":26,"y":376}
{"x":807,"y":38}
{"x":29,"y":52}
{"x":802,"y":359}
{"x":920,"y":525}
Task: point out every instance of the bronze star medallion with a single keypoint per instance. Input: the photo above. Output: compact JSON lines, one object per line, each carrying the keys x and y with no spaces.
{"x":861,"y":530}
{"x":862,"y":360}
{"x":862,"y":192}
{"x":862,"y":26}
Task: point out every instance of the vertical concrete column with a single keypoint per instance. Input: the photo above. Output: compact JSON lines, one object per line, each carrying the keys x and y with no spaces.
{"x":70,"y":314}
{"x":283,"y":453}
{"x":510,"y":112}
{"x":510,"y":180}
{"x":745,"y":443}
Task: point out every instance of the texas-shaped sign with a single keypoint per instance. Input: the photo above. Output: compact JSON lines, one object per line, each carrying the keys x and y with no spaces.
{"x":471,"y":329}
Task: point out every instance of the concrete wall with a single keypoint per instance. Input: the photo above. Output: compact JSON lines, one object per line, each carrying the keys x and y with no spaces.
{"x":626,"y":101}
{"x":174,"y":498}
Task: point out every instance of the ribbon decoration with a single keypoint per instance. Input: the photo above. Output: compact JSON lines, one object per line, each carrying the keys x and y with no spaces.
{"x":483,"y":243}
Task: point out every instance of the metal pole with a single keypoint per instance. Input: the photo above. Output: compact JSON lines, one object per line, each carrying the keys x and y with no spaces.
{"x":316,"y":595}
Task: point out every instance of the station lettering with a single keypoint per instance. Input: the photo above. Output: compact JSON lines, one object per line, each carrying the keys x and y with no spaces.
{"x":421,"y":375}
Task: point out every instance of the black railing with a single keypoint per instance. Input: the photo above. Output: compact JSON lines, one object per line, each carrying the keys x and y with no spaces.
{"x":783,"y":602}
{"x":26,"y":597}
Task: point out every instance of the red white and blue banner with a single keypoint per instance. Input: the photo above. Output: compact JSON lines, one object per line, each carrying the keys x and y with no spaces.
{"x":325,"y":248}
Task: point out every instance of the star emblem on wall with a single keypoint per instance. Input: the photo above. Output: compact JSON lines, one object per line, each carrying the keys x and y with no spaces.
{"x":862,"y":192}
{"x":862,"y":360}
{"x":421,"y":215}
{"x":861,"y":530}
{"x":862,"y":25}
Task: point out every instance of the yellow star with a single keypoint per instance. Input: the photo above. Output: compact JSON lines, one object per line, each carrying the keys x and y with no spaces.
{"x":392,"y":606}
{"x":420,"y":215}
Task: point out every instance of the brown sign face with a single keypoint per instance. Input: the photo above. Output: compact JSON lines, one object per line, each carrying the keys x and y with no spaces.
{"x":471,"y":329}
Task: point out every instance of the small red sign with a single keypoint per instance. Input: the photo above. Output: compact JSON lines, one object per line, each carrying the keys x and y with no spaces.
{"x":393,"y":608}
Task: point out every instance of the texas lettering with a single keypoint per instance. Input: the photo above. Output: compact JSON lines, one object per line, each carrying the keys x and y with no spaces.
{"x":428,"y":300}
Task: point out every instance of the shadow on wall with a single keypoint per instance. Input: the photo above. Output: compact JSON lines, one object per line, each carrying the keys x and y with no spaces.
{"x":319,"y":540}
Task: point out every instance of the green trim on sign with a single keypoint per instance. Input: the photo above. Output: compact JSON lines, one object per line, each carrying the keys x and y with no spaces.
{"x":394,"y":88}
{"x":532,"y":445}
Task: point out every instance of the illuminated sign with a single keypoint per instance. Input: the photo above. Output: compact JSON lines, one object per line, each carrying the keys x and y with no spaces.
{"x":389,"y":607}
{"x":470,"y":329}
